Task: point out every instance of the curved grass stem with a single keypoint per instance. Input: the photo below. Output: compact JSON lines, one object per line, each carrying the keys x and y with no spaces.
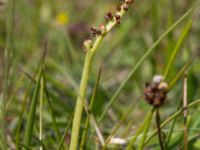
{"x":90,"y":52}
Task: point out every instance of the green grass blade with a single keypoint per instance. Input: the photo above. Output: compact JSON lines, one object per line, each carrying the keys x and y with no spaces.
{"x":172,"y":126}
{"x":20,"y":120}
{"x":148,"y":52}
{"x":58,"y":136}
{"x":34,"y":99}
{"x":32,"y":113}
{"x":180,"y":73}
{"x":177,"y":47}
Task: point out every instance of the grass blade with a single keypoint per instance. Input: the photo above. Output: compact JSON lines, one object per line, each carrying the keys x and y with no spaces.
{"x":180,"y":73}
{"x":178,"y":46}
{"x":58,"y":136}
{"x":20,"y":120}
{"x":32,"y":114}
{"x":27,"y":136}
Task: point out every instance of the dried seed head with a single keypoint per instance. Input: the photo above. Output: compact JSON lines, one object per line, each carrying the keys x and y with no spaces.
{"x":87,"y":44}
{"x":156,"y":91}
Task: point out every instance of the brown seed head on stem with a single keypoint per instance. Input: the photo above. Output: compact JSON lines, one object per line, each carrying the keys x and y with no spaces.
{"x":156,"y":91}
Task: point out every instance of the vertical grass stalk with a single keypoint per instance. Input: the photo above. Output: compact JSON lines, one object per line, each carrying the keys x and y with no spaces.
{"x":80,"y":99}
{"x":87,"y":120}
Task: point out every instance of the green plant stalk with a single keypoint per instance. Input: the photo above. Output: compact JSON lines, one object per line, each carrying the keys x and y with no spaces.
{"x":84,"y":82}
{"x":31,"y":117}
{"x":87,"y":120}
{"x":141,"y":60}
{"x":81,"y":98}
{"x":178,"y":46}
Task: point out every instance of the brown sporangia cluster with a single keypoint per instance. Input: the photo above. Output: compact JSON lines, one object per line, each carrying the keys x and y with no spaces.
{"x":94,"y":32}
{"x":156,"y":91}
{"x":117,"y":18}
{"x":108,"y":17}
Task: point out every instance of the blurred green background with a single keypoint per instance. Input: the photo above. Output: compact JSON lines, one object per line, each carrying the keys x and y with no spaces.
{"x":25,"y":25}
